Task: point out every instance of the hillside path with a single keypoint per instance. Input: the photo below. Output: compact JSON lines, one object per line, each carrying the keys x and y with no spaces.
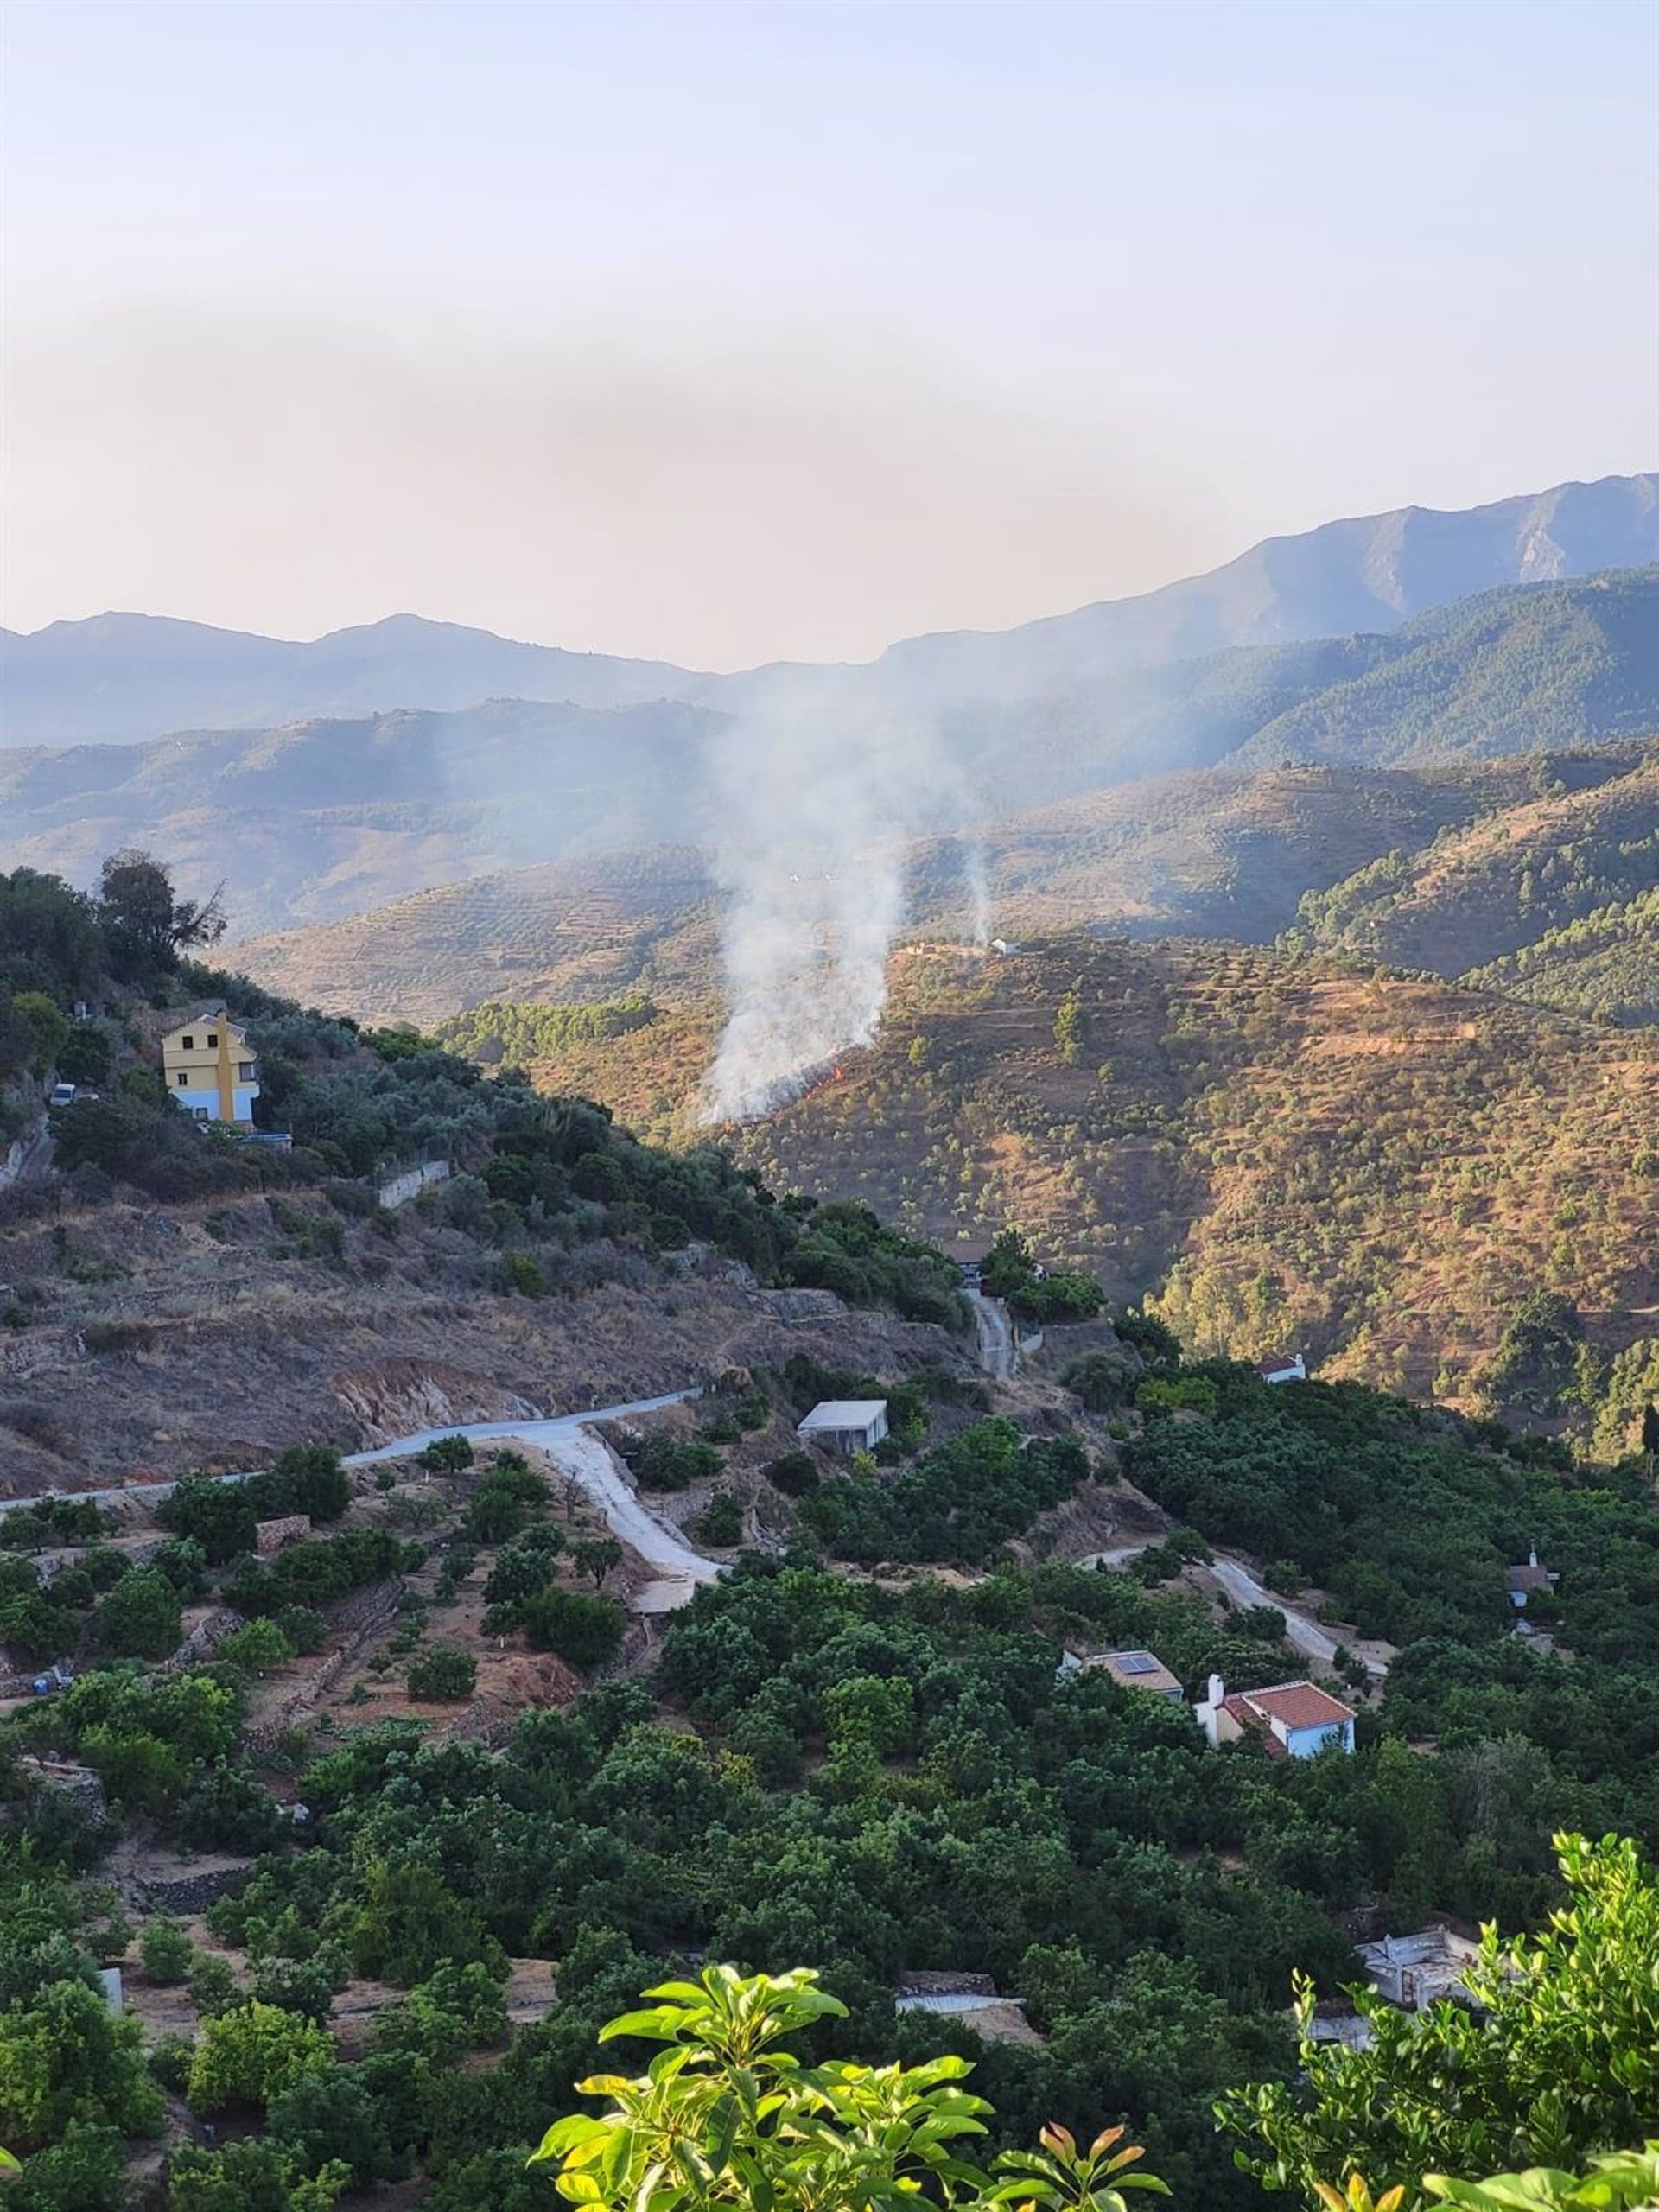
{"x":997,"y":1350}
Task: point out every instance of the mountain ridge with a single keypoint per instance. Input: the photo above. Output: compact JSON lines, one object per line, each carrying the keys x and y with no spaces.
{"x":1358,"y":573}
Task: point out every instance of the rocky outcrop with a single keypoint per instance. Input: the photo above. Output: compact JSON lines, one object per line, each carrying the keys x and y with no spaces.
{"x":399,"y":1397}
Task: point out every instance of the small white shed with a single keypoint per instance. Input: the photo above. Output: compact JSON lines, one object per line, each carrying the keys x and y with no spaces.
{"x":846,"y":1425}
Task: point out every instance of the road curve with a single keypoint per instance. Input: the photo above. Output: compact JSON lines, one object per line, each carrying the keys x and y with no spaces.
{"x":1301,"y":1630}
{"x":566,"y":1439}
{"x":569,"y":1441}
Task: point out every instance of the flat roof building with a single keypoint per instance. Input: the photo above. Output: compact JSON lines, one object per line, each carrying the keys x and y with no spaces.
{"x":846,"y":1425}
{"x":1136,"y":1670}
{"x":209,"y":1068}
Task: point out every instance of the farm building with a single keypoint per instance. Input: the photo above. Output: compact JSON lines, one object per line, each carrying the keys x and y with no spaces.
{"x":846,"y":1425}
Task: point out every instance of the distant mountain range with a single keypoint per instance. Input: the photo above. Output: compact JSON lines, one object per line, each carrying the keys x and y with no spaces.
{"x":321,"y":820}
{"x":123,"y":677}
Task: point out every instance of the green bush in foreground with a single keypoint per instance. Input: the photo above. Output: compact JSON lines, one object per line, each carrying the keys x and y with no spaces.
{"x":724,"y":2117}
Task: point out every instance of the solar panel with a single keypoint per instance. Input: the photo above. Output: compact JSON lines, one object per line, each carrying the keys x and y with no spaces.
{"x":1137,"y":1662}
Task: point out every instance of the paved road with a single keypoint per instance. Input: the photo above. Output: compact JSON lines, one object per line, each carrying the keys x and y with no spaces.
{"x":1243,"y":1588}
{"x":997,"y":1349}
{"x":568,"y":1439}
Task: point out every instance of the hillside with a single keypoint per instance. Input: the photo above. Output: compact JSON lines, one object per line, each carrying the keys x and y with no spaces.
{"x":1215,"y":852}
{"x":323,"y":819}
{"x":580,"y":928}
{"x":1515,"y":671}
{"x":1552,"y":897}
{"x":128,"y":676}
{"x":1379,"y":1168}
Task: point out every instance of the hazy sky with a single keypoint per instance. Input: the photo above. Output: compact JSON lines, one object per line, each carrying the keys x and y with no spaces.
{"x":722,"y":333}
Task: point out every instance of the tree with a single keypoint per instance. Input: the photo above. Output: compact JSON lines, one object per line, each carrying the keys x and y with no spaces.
{"x":585,"y":1630}
{"x":255,"y":1648}
{"x":1562,"y":2061}
{"x":253,"y":2176}
{"x":87,"y":1054}
{"x":447,"y":1455}
{"x":145,"y":926}
{"x":166,"y":1950}
{"x":47,"y":1029}
{"x":307,"y":1479}
{"x":140,"y":1619}
{"x":217,"y":1514}
{"x":63,"y":2056}
{"x":596,"y":1556}
{"x":724,"y":2117}
{"x":442,"y":1670}
{"x":251,"y":2053}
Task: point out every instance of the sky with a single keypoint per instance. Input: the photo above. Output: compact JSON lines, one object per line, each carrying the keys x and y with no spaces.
{"x":728,"y":333}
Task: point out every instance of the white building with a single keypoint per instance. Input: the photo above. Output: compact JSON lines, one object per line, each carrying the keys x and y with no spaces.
{"x":1415,"y":1972}
{"x":846,"y":1425}
{"x":1291,"y":1368}
{"x":1297,"y":1720}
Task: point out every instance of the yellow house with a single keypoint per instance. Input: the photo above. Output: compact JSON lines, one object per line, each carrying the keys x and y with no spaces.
{"x":209,"y":1068}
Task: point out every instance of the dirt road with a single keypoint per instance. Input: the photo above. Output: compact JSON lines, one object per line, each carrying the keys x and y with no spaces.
{"x":997,"y":1349}
{"x":1301,"y":1629}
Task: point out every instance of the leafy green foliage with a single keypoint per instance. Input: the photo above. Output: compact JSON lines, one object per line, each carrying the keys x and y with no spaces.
{"x":443,"y":1671}
{"x":1560,"y":2060}
{"x":502,"y":1030}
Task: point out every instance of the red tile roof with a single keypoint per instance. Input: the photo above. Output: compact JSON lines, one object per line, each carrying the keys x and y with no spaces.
{"x":1298,"y":1705}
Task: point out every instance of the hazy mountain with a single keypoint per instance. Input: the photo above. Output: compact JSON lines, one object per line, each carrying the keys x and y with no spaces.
{"x":1441,"y":868}
{"x":324,"y":819}
{"x":1370,"y":574}
{"x":125,"y":676}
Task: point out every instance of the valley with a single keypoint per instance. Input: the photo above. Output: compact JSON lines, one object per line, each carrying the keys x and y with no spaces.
{"x":425,"y":1619}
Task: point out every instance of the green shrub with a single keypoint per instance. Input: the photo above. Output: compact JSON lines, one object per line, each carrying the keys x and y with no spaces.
{"x":443,"y":1671}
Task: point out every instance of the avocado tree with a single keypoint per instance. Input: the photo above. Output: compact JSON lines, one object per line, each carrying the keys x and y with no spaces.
{"x":726,"y":2116}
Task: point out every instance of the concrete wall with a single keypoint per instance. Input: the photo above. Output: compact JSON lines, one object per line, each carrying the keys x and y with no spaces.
{"x":409,"y":1182}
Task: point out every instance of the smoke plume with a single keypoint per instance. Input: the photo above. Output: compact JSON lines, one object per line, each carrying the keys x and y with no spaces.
{"x":818,"y":792}
{"x":977,"y":883}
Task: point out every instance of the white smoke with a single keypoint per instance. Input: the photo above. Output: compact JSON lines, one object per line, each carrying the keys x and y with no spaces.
{"x":817,"y":793}
{"x":977,"y":881}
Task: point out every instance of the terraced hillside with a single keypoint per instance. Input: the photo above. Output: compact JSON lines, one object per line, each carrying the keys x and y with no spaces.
{"x":642,"y":919}
{"x":1379,"y":1168}
{"x":1552,"y":897}
{"x":1215,"y":852}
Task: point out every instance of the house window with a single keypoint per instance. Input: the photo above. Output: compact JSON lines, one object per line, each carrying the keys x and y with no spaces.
{"x":213,"y":1043}
{"x":181,"y":1079}
{"x":247,"y":1072}
{"x":189,"y":1043}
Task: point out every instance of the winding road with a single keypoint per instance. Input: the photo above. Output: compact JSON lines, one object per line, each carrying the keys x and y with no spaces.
{"x":568,"y":1439}
{"x":1301,"y":1630}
